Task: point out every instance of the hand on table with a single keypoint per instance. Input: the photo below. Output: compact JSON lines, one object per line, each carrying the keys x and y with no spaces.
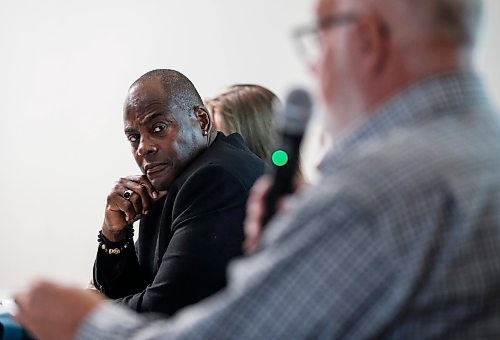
{"x":51,"y":311}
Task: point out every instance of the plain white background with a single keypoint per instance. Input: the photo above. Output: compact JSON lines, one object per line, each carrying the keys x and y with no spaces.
{"x":65,"y":68}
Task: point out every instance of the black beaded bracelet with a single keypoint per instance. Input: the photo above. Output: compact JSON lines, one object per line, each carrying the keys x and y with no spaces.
{"x":115,"y":248}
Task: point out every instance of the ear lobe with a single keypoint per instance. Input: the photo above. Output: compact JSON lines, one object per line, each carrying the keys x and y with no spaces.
{"x":204,"y":119}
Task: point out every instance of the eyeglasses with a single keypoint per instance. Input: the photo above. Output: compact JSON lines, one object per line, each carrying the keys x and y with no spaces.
{"x":307,"y":37}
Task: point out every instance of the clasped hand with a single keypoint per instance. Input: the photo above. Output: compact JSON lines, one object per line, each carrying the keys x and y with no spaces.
{"x":122,"y":211}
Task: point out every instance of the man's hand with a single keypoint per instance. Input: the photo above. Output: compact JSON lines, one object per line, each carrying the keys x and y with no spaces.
{"x":256,"y":207}
{"x":50,"y":311}
{"x":121,"y":212}
{"x":255,"y":214}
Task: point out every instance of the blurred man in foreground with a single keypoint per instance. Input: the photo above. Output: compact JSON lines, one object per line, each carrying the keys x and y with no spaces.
{"x":401,"y":238}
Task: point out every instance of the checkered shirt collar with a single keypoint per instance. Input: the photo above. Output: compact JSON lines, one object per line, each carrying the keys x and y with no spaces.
{"x":441,"y":94}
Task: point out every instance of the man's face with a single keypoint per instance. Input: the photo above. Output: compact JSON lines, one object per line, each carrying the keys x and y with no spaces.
{"x":334,"y":69}
{"x":164,"y":138}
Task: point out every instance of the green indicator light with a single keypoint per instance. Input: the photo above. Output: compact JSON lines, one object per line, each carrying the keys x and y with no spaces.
{"x":279,"y":158}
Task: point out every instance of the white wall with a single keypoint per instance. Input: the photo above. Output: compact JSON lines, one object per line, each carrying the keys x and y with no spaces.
{"x":65,"y":67}
{"x":487,"y":59}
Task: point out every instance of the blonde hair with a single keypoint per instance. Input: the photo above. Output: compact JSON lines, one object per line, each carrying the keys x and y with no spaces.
{"x":248,"y":110}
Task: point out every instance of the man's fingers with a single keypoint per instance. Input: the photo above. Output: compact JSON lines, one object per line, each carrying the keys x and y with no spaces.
{"x":255,"y":214}
{"x":122,"y":211}
{"x":256,"y":203}
{"x":162,"y":193}
{"x":256,"y":211}
{"x":21,"y":300}
{"x":141,"y":200}
{"x":28,"y":303}
{"x":252,"y":237}
{"x":117,"y":202}
{"x":260,"y":187}
{"x":139,"y":203}
{"x":144,"y":181}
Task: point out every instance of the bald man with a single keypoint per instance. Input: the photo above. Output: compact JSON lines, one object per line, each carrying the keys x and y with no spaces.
{"x":400,"y":239}
{"x":190,"y":200}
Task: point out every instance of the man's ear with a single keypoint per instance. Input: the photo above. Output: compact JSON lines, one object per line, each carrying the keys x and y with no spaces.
{"x":372,"y":40}
{"x":204,"y":119}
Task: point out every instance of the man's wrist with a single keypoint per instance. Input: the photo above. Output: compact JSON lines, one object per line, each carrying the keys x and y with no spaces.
{"x":116,"y":247}
{"x":115,"y":236}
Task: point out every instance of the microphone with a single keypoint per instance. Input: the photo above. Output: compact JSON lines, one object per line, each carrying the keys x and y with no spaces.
{"x":291,"y":121}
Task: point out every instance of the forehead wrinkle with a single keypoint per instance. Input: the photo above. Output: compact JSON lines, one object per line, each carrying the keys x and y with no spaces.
{"x":146,"y":106}
{"x":148,"y":112}
{"x":149,"y":117}
{"x":143,"y":104}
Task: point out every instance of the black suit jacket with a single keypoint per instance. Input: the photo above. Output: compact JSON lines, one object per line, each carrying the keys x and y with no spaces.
{"x":188,"y":237}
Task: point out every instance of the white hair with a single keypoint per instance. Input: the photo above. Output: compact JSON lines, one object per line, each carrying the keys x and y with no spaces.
{"x":451,"y":21}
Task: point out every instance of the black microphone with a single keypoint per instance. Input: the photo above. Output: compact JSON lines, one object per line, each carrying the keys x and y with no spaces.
{"x":291,"y":121}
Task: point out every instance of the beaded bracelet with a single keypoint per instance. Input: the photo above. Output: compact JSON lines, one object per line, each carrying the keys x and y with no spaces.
{"x":115,"y":248}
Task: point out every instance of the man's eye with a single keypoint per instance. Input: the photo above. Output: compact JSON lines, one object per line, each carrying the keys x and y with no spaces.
{"x":133,"y":138}
{"x":159,"y":128}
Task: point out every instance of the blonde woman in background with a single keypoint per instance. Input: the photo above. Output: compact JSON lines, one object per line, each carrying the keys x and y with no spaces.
{"x":248,"y":110}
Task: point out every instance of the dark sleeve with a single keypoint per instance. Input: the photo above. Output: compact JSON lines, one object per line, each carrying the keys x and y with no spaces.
{"x":207,"y":227}
{"x":118,"y":275}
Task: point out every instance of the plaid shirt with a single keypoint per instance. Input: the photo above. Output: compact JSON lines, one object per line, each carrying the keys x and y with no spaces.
{"x":400,"y":239}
